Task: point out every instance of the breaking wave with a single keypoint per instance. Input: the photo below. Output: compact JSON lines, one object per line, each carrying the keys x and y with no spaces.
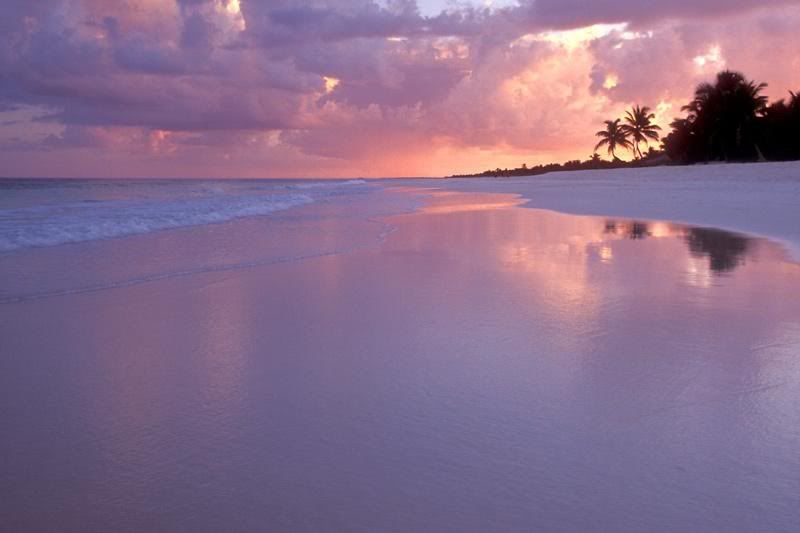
{"x":50,"y":225}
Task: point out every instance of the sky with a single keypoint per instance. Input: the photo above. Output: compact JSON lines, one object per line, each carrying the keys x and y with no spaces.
{"x":351,"y":88}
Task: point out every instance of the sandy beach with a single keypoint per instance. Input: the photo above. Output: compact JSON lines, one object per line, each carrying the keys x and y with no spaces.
{"x":757,"y":199}
{"x":406,"y":357}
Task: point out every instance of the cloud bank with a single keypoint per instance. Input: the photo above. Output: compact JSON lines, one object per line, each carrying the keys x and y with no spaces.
{"x":229,"y":88}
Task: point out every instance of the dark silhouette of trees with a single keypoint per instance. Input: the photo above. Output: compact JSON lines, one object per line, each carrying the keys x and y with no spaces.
{"x":722,"y":122}
{"x":727,"y":120}
{"x":593,"y":163}
{"x":780,"y":129}
{"x":613,"y":137}
{"x":681,"y":144}
{"x":640,"y":128}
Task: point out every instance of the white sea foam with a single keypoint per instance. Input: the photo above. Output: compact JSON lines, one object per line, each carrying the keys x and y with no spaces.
{"x":325,"y":184}
{"x":49,"y":225}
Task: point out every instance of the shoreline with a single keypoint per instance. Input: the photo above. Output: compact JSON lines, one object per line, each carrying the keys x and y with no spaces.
{"x":730,"y":197}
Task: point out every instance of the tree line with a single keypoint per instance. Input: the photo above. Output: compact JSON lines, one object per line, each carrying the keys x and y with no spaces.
{"x":727,"y":120}
{"x":731,"y":120}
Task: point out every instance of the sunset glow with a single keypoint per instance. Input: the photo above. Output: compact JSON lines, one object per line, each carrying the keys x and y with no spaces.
{"x":331,"y":83}
{"x":407,"y":88}
{"x":712,"y":58}
{"x":611,"y":81}
{"x":233,"y":7}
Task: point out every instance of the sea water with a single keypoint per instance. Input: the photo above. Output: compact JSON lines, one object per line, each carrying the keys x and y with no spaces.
{"x":39,"y":217}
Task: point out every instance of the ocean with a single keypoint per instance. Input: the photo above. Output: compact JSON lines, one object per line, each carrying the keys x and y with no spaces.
{"x":38,"y":217}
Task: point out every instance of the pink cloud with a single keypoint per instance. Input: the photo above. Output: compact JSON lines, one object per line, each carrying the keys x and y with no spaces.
{"x":193,"y":85}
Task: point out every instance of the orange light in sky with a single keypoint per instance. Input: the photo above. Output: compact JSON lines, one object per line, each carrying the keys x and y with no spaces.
{"x":233,"y":7}
{"x":611,"y":81}
{"x":331,"y":83}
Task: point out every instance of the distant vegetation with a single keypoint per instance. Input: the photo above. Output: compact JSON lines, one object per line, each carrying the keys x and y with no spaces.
{"x":728,"y":120}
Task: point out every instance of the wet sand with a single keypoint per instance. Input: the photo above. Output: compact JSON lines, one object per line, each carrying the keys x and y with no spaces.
{"x":475,"y":366}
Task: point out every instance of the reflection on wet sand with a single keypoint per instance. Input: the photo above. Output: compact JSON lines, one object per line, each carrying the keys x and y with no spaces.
{"x":454,"y":202}
{"x":481,"y":361}
{"x":633,"y":230}
{"x":725,"y":250}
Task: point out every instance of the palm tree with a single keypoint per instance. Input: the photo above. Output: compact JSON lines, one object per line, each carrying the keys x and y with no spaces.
{"x":614,"y":137}
{"x":680,"y":144}
{"x":724,"y":115}
{"x":780,"y":129}
{"x":640,"y":128}
{"x":794,"y":100}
